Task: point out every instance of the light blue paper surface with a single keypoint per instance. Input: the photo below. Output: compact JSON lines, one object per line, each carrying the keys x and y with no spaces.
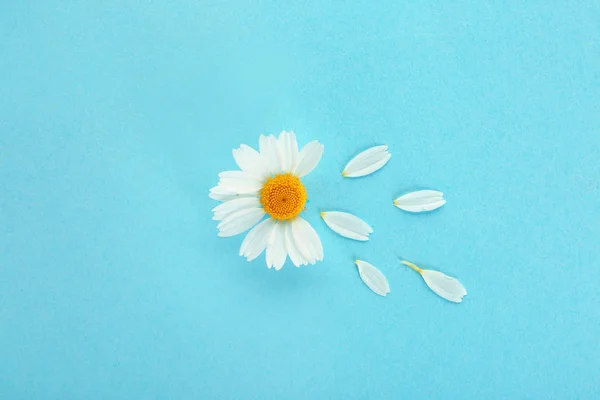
{"x":117,"y":116}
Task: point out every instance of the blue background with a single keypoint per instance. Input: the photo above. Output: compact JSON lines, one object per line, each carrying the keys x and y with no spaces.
{"x":116,"y":117}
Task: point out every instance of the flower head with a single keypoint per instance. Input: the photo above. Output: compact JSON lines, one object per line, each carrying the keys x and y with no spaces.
{"x":268,"y":183}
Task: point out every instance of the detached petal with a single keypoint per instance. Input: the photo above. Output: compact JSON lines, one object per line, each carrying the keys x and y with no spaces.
{"x":309,"y":157}
{"x":347,"y":225}
{"x":422,"y":200}
{"x":373,"y":278}
{"x":367,"y":162}
{"x":443,"y":285}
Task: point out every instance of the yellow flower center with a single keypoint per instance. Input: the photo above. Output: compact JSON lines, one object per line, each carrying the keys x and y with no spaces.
{"x":283,"y":196}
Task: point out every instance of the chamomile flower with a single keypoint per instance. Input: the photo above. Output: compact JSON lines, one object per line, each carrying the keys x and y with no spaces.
{"x":268,"y":184}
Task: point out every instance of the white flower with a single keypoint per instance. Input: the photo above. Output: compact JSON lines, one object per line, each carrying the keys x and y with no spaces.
{"x":443,"y":285}
{"x":347,"y":225}
{"x":373,"y":278}
{"x":367,"y":162}
{"x":422,"y":200}
{"x":268,"y":183}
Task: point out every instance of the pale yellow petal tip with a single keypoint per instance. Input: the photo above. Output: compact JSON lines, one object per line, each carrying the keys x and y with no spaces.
{"x":322,"y":214}
{"x":412,"y":266}
{"x":344,"y":174}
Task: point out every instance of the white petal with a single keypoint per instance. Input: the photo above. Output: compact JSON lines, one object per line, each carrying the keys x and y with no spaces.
{"x":240,"y":221}
{"x":244,"y":191}
{"x":370,"y":152}
{"x":257,"y":239}
{"x":422,"y":200}
{"x":235,"y":183}
{"x":222,"y":210}
{"x":290,"y":246}
{"x":309,"y":157}
{"x":307,"y":241}
{"x":236,"y":190}
{"x":276,"y":253}
{"x":269,"y":152}
{"x":347,"y":225}
{"x":238,"y":175}
{"x":444,"y":286}
{"x":250,"y":161}
{"x":367,"y":162}
{"x":373,"y":278}
{"x":239,"y":181}
{"x":217,"y":193}
{"x":288,"y":148}
{"x":225,"y":194}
